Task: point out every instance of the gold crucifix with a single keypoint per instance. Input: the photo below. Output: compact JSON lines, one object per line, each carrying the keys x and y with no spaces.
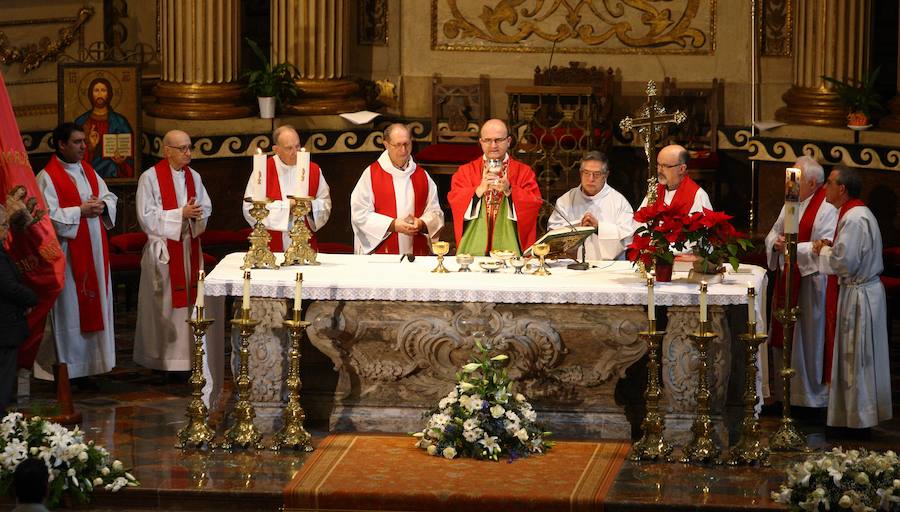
{"x":650,"y":126}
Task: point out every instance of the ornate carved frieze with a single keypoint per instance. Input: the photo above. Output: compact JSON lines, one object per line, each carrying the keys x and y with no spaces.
{"x":372,"y":25}
{"x":32,"y":55}
{"x":776,"y":28}
{"x":574,"y":26}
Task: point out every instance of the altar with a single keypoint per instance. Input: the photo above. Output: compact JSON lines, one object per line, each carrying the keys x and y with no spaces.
{"x":396,"y":335}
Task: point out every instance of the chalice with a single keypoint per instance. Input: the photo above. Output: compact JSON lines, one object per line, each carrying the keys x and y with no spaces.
{"x":541,"y":251}
{"x":440,"y":249}
{"x":502,"y":255}
{"x":464,"y":261}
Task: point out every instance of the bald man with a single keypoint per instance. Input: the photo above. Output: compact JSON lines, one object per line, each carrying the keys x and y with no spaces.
{"x":495,"y":199}
{"x":172,"y":208}
{"x":676,"y":188}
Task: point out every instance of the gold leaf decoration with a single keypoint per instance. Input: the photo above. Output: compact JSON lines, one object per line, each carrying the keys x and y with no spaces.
{"x":33,"y":55}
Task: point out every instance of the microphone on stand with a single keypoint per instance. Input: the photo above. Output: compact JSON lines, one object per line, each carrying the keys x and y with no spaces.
{"x":578,"y":265}
{"x":410,"y":257}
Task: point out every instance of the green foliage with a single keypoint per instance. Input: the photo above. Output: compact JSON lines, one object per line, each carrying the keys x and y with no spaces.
{"x":858,"y":95}
{"x":276,"y":81}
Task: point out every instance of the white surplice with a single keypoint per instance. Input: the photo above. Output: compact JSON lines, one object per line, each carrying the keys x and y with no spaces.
{"x":860,"y":394}
{"x":808,"y":351}
{"x":291,"y":184}
{"x":84,"y":353}
{"x":371,"y":228}
{"x":615,"y":220}
{"x":162,"y":338}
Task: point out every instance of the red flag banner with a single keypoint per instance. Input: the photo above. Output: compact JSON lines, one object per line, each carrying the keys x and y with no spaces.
{"x":33,"y":247}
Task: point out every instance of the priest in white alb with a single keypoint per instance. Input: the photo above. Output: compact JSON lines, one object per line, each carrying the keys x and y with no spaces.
{"x":595,"y":203}
{"x":394,"y":207}
{"x":172,"y":208}
{"x":856,"y":335}
{"x":817,"y":221}
{"x":288,"y":173}
{"x":82,"y":208}
{"x":675,"y":188}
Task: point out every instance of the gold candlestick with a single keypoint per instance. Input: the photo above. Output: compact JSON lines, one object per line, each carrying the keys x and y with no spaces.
{"x":787,"y":438}
{"x":243,"y":434}
{"x":197,"y":433}
{"x":703,"y":447}
{"x":300,"y":252}
{"x":259,"y":255}
{"x":749,"y":449}
{"x":541,"y":251}
{"x":440,"y":249}
{"x":292,"y":433}
{"x":652,"y":445}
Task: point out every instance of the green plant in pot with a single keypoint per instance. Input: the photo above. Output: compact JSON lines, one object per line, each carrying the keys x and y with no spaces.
{"x":859,"y":96}
{"x":272,"y":85}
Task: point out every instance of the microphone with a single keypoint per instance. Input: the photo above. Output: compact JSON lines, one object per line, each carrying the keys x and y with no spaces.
{"x":410,"y":257}
{"x":558,"y":212}
{"x":578,"y":265}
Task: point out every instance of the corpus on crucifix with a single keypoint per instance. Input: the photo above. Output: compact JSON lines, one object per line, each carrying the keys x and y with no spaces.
{"x":651,"y":124}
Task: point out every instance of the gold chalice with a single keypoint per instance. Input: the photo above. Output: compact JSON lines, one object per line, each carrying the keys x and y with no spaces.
{"x":440,"y":249}
{"x":541,"y":251}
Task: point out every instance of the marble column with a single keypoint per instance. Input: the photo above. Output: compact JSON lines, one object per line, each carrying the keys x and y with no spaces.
{"x":314,"y":36}
{"x":831,"y":38}
{"x":199,"y":44}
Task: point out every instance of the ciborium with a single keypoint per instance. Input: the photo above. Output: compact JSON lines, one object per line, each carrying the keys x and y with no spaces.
{"x":517,"y":263}
{"x":541,"y":251}
{"x":300,"y":252}
{"x":440,"y":249}
{"x":464,"y":260}
{"x":259,"y":255}
{"x":197,"y":433}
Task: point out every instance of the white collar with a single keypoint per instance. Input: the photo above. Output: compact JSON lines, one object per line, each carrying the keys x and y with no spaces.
{"x":281,"y":166}
{"x":599,"y":195}
{"x":385,"y":161}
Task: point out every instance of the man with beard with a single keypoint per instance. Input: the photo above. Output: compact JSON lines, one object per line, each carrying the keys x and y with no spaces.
{"x":101,"y":120}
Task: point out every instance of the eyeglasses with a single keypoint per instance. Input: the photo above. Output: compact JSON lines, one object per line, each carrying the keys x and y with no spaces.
{"x":400,"y":144}
{"x":667,"y":166}
{"x":589,"y":174}
{"x":187,"y":148}
{"x":498,"y":140}
{"x":289,"y":148}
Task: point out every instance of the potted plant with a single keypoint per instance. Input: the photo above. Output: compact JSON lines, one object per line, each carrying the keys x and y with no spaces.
{"x":661,"y":233}
{"x":714,"y":241}
{"x":272,"y":85}
{"x":860,"y":97}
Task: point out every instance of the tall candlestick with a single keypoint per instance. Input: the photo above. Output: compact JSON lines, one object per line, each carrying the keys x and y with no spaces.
{"x":703,"y":317}
{"x":651,"y":303}
{"x":259,"y":176}
{"x":246,"y":303}
{"x":751,"y":303}
{"x":792,"y":178}
{"x":298,"y":297}
{"x":201,"y":290}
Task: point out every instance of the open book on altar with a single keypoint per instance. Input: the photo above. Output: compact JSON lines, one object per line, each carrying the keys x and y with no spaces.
{"x":564,"y":239}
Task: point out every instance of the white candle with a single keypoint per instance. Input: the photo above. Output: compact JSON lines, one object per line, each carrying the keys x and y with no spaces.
{"x":298,"y":297}
{"x":751,"y":303}
{"x":201,"y":292}
{"x":703,"y":301}
{"x":259,"y":176}
{"x":303,"y":169}
{"x":792,"y":178}
{"x":651,"y":303}
{"x":246,"y":303}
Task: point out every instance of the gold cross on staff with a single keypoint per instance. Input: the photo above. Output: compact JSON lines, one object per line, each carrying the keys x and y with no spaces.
{"x":650,"y":126}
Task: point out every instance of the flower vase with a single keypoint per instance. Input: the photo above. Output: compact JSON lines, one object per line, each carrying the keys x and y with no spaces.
{"x":663,"y":270}
{"x":708,"y":271}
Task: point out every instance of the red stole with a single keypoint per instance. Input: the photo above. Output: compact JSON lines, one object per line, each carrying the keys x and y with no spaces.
{"x":804,"y":233}
{"x":273,"y":192}
{"x":386,"y":204}
{"x":831,"y":297}
{"x":81,"y":252}
{"x":180,"y":293}
{"x":684,"y":196}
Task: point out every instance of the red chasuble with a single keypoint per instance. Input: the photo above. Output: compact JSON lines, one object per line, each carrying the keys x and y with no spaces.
{"x":684,"y":196}
{"x":386,"y":204}
{"x":273,"y":192}
{"x":81,"y":252}
{"x":525,"y":195}
{"x":803,"y":235}
{"x":831,"y":297}
{"x":181,"y":294}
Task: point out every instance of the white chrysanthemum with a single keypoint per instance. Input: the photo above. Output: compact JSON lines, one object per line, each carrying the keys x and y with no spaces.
{"x":498,"y":411}
{"x":437,"y":422}
{"x":529,"y":414}
{"x":446,"y":402}
{"x":470,"y":424}
{"x":472,"y":435}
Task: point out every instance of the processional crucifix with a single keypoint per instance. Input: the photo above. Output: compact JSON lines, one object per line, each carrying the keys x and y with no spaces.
{"x":650,"y":125}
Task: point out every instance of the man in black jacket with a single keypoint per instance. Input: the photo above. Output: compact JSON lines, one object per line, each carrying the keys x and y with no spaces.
{"x":15,"y":300}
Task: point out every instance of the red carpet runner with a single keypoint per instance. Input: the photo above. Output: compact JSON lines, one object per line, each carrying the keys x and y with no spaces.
{"x":379,"y":472}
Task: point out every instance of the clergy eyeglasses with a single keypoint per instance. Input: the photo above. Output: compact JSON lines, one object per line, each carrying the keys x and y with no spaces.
{"x":667,"y":166}
{"x":589,"y":174}
{"x":400,"y":144}
{"x":498,"y":140}
{"x":187,"y":148}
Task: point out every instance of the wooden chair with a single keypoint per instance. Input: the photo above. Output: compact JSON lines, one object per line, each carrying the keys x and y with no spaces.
{"x":699,"y":134}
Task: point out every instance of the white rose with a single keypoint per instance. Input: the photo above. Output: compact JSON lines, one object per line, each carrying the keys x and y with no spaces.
{"x":520,"y":397}
{"x":449,"y":452}
{"x":522,"y":434}
{"x":33,"y":450}
{"x":117,"y":465}
{"x":497,"y":411}
{"x":71,"y":472}
{"x":432,"y":449}
{"x":862,"y":478}
{"x":845,"y":501}
{"x":104,"y":471}
{"x":897,"y":483}
{"x":98,"y":481}
{"x":83,"y":456}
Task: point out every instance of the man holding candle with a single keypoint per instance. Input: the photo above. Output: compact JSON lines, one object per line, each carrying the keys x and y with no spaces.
{"x":817,"y":220}
{"x":82,"y":208}
{"x":172,"y":208}
{"x":394,"y":207}
{"x":676,"y":189}
{"x":856,"y":328}
{"x":288,"y":173}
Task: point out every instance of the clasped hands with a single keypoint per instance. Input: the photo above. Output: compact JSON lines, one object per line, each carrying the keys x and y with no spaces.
{"x":409,"y":226}
{"x":818,"y":244}
{"x":191,"y":210}
{"x":491,"y":181}
{"x":92,"y":207}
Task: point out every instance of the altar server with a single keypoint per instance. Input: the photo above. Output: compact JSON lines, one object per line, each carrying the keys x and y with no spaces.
{"x":676,"y":188}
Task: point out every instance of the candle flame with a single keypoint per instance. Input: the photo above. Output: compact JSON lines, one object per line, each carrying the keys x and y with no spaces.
{"x":258,"y":151}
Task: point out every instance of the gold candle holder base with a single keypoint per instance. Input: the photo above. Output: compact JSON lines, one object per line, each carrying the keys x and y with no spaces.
{"x":749,"y":449}
{"x":652,"y":445}
{"x":259,"y":255}
{"x":243,"y":434}
{"x":292,"y":434}
{"x":300,"y":252}
{"x":197,"y":433}
{"x":703,"y":447}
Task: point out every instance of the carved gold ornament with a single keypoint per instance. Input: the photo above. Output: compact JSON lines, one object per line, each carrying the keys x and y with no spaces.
{"x":575,"y":26}
{"x":33,"y":55}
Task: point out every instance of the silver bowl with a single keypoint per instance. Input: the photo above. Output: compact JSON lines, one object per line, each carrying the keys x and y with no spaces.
{"x":490,"y":266}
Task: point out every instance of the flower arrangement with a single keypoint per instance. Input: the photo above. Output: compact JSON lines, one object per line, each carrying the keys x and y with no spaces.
{"x":838,"y":480}
{"x":76,"y":468}
{"x":715,"y":240}
{"x":483,"y":417}
{"x":661,"y":232}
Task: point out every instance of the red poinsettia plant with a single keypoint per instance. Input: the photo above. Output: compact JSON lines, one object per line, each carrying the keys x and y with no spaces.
{"x":661,"y":233}
{"x":715,"y":240}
